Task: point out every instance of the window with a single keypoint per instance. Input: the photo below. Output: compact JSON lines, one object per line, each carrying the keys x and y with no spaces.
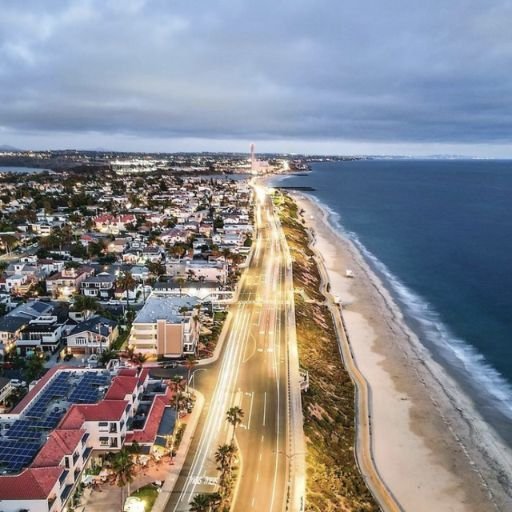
{"x":104,"y":441}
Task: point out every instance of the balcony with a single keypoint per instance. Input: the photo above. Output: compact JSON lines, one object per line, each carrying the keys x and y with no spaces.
{"x":66,"y":492}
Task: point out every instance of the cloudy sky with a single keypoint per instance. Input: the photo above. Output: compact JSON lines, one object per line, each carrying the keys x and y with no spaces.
{"x":340,"y":76}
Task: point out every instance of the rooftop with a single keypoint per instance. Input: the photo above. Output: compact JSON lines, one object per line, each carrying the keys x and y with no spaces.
{"x":42,"y":409}
{"x":164,"y":308}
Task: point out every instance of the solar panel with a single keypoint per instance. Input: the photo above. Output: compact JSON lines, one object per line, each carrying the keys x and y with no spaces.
{"x":14,"y":455}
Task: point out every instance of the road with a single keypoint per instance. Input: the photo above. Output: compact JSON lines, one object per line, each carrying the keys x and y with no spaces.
{"x":252,"y":373}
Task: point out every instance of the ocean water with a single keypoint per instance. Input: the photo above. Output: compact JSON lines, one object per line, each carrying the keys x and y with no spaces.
{"x":21,"y":169}
{"x":439,"y":234}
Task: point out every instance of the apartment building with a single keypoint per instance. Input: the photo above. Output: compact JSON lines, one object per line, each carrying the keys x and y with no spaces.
{"x":166,"y":326}
{"x":51,"y":437}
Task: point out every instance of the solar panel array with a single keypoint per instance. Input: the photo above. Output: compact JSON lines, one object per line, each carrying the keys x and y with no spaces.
{"x":21,"y":442}
{"x":58,"y":388}
{"x":16,"y":454}
{"x":87,"y":392}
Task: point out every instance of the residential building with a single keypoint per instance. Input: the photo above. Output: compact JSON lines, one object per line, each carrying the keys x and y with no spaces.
{"x":166,"y":326}
{"x":101,"y":286}
{"x":50,"y":438}
{"x":92,"y":336}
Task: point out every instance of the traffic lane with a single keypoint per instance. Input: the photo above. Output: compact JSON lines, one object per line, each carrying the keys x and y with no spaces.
{"x":263,"y":477}
{"x":213,"y":432}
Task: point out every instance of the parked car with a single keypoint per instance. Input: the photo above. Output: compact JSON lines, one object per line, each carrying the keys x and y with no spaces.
{"x":16,"y":383}
{"x":167,"y":364}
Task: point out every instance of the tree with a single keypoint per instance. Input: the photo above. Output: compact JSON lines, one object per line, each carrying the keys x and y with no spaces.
{"x":34,"y":367}
{"x":180,"y":282}
{"x":156,"y":268}
{"x":78,"y":251}
{"x":126,"y":282}
{"x":234,"y":417}
{"x":106,"y":356}
{"x":190,"y":364}
{"x":9,"y":242}
{"x":124,"y":468}
{"x":224,"y":459}
{"x":84,"y":303}
{"x":139,"y":358}
{"x":200,"y":503}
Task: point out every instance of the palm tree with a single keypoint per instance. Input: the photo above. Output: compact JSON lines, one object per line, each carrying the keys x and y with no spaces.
{"x":190,"y":363}
{"x":200,"y":503}
{"x":106,"y":356}
{"x":234,"y":417}
{"x":84,"y":303}
{"x":139,"y":358}
{"x":224,"y":459}
{"x":180,"y":281}
{"x":124,"y":469}
{"x":126,"y":282}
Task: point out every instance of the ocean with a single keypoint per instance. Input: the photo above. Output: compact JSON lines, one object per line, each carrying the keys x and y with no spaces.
{"x":24,"y":170}
{"x":439,"y":235}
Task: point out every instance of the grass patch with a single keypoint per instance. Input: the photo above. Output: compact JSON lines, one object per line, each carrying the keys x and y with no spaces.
{"x":334,"y":482}
{"x":148,"y":494}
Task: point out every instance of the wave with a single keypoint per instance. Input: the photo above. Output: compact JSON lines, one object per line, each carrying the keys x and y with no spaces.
{"x":457,"y":354}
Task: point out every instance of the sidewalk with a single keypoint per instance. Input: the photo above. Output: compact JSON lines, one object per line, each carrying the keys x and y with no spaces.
{"x":179,"y":460}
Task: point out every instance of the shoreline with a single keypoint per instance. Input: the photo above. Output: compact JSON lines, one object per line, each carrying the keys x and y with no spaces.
{"x":430,"y":445}
{"x":431,"y":448}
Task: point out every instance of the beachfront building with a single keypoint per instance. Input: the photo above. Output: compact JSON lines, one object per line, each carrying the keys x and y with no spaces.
{"x":70,"y":416}
{"x":166,"y":326}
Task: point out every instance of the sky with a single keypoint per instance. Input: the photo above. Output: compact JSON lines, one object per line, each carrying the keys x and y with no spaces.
{"x":308,"y":76}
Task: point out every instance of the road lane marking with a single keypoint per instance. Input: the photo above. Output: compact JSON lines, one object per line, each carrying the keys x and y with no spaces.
{"x":250,"y":411}
{"x":264,"y":408}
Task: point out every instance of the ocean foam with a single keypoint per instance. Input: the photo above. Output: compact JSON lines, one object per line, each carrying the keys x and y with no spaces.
{"x":457,"y":353}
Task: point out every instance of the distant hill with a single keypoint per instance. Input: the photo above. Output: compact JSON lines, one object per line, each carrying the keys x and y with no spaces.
{"x":6,"y":147}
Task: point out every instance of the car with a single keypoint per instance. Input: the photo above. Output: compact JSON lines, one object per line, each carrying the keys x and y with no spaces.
{"x":16,"y":383}
{"x":7,"y":365}
{"x":172,"y":364}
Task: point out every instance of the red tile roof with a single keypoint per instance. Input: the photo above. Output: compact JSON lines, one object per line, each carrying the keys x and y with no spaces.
{"x":128,"y":372}
{"x":31,"y":484}
{"x":121,"y":386}
{"x":59,"y":444}
{"x":148,"y":434}
{"x":106,"y":410}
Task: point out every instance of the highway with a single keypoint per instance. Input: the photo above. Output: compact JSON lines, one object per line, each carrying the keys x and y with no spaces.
{"x":252,"y":373}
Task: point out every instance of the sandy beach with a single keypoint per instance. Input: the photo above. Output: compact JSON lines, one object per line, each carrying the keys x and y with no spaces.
{"x":430,"y":447}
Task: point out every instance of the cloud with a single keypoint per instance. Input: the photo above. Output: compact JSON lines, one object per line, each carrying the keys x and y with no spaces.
{"x":358,"y":70}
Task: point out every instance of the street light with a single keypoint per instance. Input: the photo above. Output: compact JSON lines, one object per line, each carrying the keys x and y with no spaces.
{"x":193,"y":373}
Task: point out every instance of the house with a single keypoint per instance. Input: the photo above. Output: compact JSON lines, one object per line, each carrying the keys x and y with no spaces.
{"x":6,"y":388}
{"x":10,"y":329}
{"x":16,"y":283}
{"x":152,"y":253}
{"x":166,"y":326}
{"x":112,"y":224}
{"x":92,"y":336}
{"x":117,"y":246}
{"x":41,"y":334}
{"x":101,"y":286}
{"x":199,"y":270}
{"x":139,"y":273}
{"x":68,"y":281}
{"x":175,"y":235}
